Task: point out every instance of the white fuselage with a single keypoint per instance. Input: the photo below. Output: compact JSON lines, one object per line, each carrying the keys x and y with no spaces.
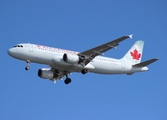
{"x":54,"y":58}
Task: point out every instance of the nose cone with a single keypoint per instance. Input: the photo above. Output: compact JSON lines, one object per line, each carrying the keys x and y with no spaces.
{"x":11,"y":51}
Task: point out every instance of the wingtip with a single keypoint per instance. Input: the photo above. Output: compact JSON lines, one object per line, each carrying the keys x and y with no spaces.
{"x":130,"y":36}
{"x":156,"y":58}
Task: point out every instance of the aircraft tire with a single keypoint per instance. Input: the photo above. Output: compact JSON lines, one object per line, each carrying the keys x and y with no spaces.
{"x":27,"y":68}
{"x":67,"y":80}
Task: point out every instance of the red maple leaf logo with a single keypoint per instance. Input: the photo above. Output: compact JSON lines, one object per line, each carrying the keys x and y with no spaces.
{"x":135,"y":55}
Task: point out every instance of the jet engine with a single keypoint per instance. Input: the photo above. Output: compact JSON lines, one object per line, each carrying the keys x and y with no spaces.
{"x":45,"y":73}
{"x":70,"y":58}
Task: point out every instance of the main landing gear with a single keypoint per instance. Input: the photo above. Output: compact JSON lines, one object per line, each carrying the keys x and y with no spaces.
{"x":28,"y":65}
{"x":67,"y":80}
{"x":84,"y":71}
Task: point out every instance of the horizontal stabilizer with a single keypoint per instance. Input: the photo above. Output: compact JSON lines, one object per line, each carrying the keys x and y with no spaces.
{"x":143,"y":64}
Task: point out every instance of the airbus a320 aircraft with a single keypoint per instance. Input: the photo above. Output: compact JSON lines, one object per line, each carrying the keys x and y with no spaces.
{"x":63,"y":62}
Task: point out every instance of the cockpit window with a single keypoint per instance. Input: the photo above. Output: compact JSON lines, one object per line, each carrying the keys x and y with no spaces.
{"x":18,"y":46}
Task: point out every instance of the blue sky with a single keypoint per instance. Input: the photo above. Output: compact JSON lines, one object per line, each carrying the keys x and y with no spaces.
{"x":81,"y":25}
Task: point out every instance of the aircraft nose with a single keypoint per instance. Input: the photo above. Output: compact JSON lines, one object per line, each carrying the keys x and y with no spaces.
{"x":10,"y":51}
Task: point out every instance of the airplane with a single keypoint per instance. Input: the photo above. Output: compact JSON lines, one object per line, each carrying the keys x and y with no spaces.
{"x":63,"y":62}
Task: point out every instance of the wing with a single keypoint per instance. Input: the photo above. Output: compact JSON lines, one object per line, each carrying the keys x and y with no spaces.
{"x":90,"y":54}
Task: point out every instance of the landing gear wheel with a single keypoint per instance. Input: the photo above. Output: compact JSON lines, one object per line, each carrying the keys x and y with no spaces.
{"x":67,"y":80}
{"x":28,"y":65}
{"x":84,"y":71}
{"x":27,"y":68}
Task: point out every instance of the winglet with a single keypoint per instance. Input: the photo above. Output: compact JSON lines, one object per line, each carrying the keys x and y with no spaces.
{"x":130,"y":36}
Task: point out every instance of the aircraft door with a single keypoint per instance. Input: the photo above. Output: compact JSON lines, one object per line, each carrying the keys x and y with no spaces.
{"x":122,"y":64}
{"x":31,"y":49}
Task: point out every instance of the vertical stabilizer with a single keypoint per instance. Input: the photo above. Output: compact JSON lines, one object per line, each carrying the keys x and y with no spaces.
{"x":134,"y":55}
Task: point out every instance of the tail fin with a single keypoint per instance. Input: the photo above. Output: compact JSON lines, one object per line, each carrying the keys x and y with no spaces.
{"x":134,"y":55}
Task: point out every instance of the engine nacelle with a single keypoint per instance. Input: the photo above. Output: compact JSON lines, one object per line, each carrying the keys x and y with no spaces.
{"x":69,"y":58}
{"x":45,"y":73}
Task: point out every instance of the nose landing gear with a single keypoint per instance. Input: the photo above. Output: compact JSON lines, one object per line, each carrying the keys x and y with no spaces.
{"x":28,"y":65}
